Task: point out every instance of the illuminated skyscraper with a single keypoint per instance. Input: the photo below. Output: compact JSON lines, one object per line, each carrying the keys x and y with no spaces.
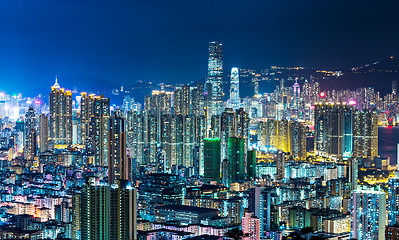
{"x":60,"y":116}
{"x":118,"y":167}
{"x":215,"y":76}
{"x":135,"y":135}
{"x":368,"y":214}
{"x":297,"y":135}
{"x":98,"y":130}
{"x":365,"y":133}
{"x":333,"y":130}
{"x":393,"y":200}
{"x":30,"y":134}
{"x":108,"y":212}
{"x":234,"y":88}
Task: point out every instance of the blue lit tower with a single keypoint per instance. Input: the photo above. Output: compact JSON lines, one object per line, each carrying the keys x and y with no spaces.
{"x":393,"y":200}
{"x":215,"y":76}
{"x":368,"y":214}
{"x":234,"y":89}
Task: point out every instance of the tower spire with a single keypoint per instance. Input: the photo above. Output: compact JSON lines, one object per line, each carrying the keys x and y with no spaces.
{"x":56,"y":85}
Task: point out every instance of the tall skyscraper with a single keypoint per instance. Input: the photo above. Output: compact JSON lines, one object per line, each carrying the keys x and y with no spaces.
{"x":60,"y":116}
{"x":98,"y":130}
{"x":393,"y":200}
{"x":234,"y":88}
{"x":215,"y":76}
{"x":365,"y":133}
{"x":333,"y":130}
{"x":118,"y":167}
{"x":30,"y":134}
{"x":368,"y":214}
{"x":107,"y":212}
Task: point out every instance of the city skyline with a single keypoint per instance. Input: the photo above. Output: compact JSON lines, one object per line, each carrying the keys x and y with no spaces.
{"x":106,"y":43}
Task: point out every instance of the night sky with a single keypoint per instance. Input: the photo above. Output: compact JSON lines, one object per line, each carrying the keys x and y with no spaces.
{"x":167,"y":41}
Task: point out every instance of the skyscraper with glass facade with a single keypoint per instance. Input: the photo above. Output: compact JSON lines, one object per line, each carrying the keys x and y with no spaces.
{"x":215,"y":76}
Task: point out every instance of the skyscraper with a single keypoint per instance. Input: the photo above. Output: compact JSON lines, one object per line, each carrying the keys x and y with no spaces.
{"x":118,"y":167}
{"x":365,"y":133}
{"x":333,"y":130}
{"x":236,"y":159}
{"x":234,"y":88}
{"x":393,"y":200}
{"x":30,"y":134}
{"x":215,"y":76}
{"x":98,"y":130}
{"x":60,"y":116}
{"x":107,"y":212}
{"x":368,"y":214}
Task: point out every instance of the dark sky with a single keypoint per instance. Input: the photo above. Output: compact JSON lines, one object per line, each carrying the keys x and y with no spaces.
{"x":167,"y":41}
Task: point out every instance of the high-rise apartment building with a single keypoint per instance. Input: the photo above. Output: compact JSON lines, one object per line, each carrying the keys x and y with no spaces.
{"x":107,"y":212}
{"x":118,"y":167}
{"x":368,"y":214}
{"x":365,"y":133}
{"x":30,"y":134}
{"x":60,"y":116}
{"x":333,"y":130}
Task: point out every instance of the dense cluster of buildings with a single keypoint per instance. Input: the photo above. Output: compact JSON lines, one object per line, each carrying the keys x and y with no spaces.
{"x":191,"y":164}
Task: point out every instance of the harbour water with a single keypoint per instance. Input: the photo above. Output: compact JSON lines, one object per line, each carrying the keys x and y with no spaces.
{"x":388,"y":138}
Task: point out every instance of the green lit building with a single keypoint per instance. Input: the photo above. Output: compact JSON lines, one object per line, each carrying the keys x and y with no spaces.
{"x":236,"y":159}
{"x":251,"y":164}
{"x":212,"y":159}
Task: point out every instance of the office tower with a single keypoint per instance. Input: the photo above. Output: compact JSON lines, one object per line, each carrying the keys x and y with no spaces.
{"x":333,"y":130}
{"x":76,"y":217}
{"x":135,"y":135}
{"x":215,"y":76}
{"x":368,"y":214}
{"x":250,"y":226}
{"x":43,"y":133}
{"x":297,"y":134}
{"x":394,"y":87}
{"x":60,"y":116}
{"x":98,"y":130}
{"x":108,"y":212}
{"x":365,"y":133}
{"x":118,"y":167}
{"x":280,"y":162}
{"x":236,"y":159}
{"x":30,"y":134}
{"x":234,"y":89}
{"x":393,"y":200}
{"x":212,"y":159}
